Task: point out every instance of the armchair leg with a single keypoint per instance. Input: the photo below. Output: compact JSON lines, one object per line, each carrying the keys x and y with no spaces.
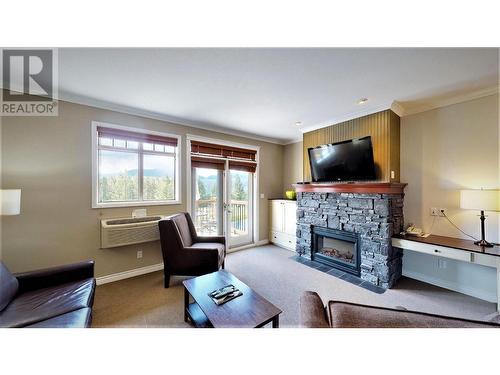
{"x":167,"y":280}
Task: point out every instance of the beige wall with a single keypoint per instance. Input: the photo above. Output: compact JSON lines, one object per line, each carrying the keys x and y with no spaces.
{"x":49,"y":158}
{"x":442,"y":151}
{"x":292,"y":164}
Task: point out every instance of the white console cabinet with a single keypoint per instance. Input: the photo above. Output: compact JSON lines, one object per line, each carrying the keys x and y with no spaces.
{"x":283,"y":223}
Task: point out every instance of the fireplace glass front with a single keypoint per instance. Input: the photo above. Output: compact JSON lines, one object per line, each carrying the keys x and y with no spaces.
{"x":337,"y":249}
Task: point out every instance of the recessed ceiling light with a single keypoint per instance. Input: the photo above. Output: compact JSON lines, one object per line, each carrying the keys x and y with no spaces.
{"x":362,"y":101}
{"x":298,"y":123}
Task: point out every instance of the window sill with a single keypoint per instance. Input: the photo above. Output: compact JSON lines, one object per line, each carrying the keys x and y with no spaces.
{"x":135,"y":204}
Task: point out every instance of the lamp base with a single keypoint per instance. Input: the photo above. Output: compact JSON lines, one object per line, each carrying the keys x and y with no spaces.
{"x":483,"y":243}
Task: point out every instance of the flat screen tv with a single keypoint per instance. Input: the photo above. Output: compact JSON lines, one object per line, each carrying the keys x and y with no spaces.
{"x":343,"y":161}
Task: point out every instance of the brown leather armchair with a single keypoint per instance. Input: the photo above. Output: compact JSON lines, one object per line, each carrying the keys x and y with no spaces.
{"x":184,"y":252}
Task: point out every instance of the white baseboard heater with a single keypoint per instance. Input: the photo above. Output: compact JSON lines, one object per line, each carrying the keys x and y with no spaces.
{"x":129,"y":231}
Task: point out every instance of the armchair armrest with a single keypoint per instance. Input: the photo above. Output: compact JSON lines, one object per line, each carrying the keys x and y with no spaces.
{"x":47,"y":277}
{"x":312,"y":311}
{"x":218,"y":239}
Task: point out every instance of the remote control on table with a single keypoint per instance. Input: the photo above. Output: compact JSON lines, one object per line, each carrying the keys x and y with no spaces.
{"x":223,"y":292}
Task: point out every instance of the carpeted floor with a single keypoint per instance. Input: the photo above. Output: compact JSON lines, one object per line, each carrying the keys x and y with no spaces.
{"x":269,"y":270}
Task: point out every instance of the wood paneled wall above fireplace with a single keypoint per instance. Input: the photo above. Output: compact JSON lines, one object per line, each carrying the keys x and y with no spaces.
{"x":383,"y":127}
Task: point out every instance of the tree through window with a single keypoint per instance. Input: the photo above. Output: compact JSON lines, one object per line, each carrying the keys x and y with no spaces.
{"x":135,"y":167}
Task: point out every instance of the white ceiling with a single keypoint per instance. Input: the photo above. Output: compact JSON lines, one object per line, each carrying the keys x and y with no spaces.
{"x":264,"y":92}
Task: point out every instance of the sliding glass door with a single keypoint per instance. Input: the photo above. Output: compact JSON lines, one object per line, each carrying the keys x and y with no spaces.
{"x":207,"y":201}
{"x":240,"y":210}
{"x":222,"y":190}
{"x":222,"y":203}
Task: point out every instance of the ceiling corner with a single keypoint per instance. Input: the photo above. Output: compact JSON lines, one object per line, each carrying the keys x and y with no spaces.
{"x":398,"y":108}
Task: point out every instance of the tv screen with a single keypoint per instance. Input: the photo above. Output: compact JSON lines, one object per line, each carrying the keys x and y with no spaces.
{"x":343,"y":161}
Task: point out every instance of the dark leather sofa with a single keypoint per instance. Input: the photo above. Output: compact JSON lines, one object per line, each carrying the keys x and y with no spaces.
{"x":184,"y":252}
{"x":57,"y":297}
{"x":337,"y":314}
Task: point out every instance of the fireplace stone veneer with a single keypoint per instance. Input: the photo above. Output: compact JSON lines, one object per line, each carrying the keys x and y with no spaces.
{"x":374,"y":217}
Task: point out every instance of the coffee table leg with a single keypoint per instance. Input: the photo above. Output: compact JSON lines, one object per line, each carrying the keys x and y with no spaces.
{"x":276,"y":321}
{"x":186,"y":304}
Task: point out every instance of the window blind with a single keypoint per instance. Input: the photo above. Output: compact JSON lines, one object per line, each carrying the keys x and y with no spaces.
{"x":133,"y":136}
{"x":202,"y":148}
{"x":242,"y":166}
{"x":200,"y":162}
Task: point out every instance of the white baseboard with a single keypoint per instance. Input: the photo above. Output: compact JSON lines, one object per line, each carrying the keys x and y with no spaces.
{"x":127,"y":274}
{"x":250,"y":245}
{"x":473,"y":292}
{"x":157,"y":267}
{"x":262,"y":242}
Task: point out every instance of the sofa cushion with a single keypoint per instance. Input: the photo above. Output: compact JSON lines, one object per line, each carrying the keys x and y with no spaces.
{"x":8,"y":286}
{"x":41,"y":304}
{"x":183,"y":227}
{"x":349,"y":315}
{"x":211,"y":245}
{"x":81,"y":318}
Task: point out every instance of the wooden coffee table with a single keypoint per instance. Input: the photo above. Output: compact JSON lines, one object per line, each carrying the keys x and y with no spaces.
{"x":249,"y":310}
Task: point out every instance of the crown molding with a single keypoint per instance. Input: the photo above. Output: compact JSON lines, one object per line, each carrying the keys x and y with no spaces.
{"x":400,"y":108}
{"x":439,"y":103}
{"x":397,"y":108}
{"x":404,"y":110}
{"x":348,"y":116}
{"x":101,"y":104}
{"x":291,"y":142}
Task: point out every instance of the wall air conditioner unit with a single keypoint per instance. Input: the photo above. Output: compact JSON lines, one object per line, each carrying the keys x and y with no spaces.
{"x":128,"y":231}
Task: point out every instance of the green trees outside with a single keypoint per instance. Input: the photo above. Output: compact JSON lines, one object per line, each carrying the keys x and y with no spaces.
{"x":202,"y":190}
{"x":158,"y":188}
{"x":238,"y":191}
{"x":124,"y":188}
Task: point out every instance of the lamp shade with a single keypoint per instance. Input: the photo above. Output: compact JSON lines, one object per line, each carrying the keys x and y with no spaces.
{"x":11,"y":202}
{"x":483,"y":200}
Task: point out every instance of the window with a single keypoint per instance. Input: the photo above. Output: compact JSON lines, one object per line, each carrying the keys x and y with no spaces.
{"x":134,"y":168}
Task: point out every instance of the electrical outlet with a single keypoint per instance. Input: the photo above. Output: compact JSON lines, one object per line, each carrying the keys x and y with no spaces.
{"x":435,"y":211}
{"x":262,"y":196}
{"x":139,"y":254}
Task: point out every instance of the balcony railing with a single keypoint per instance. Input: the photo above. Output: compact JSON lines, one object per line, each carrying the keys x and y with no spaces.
{"x":206,"y":215}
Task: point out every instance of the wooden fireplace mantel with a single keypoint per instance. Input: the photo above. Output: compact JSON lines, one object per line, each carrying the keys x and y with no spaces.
{"x":355,"y":187}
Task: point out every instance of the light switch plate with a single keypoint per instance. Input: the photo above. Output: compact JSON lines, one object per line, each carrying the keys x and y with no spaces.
{"x":262,"y":196}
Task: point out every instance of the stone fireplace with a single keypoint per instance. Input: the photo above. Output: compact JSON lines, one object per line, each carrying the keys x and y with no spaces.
{"x":364,"y":214}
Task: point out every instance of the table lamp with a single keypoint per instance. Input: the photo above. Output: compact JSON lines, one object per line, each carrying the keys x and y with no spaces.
{"x":481,"y":200}
{"x":11,"y":202}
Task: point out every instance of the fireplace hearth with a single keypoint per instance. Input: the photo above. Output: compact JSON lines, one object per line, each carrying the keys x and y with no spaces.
{"x":336,"y":248}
